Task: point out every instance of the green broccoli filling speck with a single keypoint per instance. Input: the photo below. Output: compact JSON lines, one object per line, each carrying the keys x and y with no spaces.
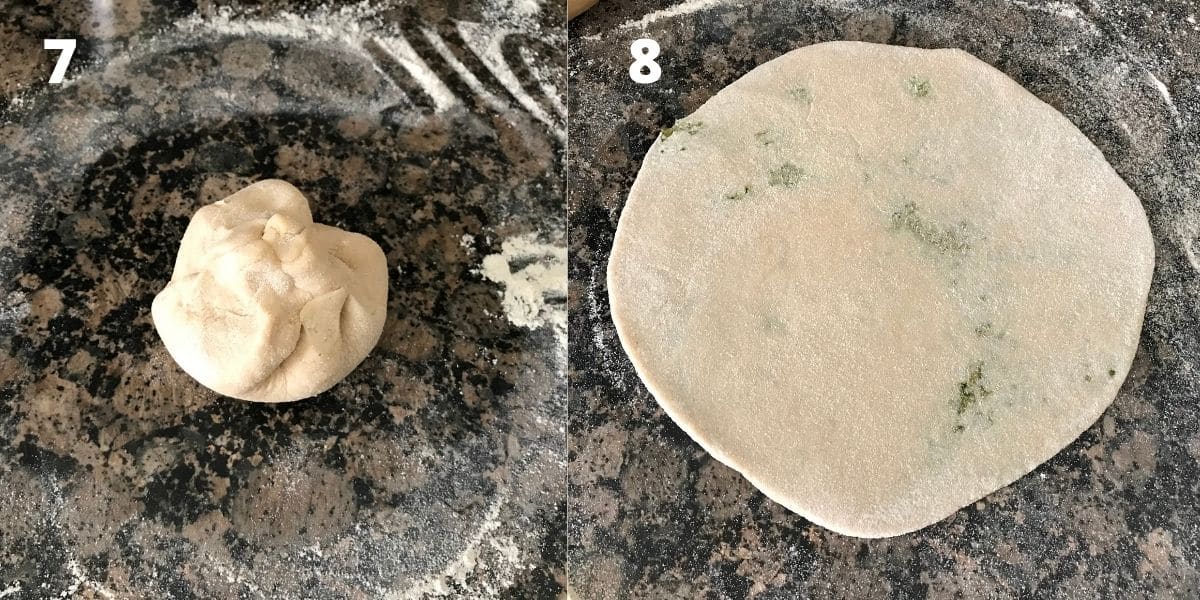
{"x":971,"y":390}
{"x":918,"y":86}
{"x":787,"y":175}
{"x":688,"y":127}
{"x":944,"y":239}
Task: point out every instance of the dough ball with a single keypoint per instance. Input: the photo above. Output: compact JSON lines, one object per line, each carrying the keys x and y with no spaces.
{"x":880,"y":282}
{"x":266,"y":305}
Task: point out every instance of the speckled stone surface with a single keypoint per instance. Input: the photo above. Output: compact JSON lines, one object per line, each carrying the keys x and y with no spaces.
{"x":437,"y":467}
{"x":1114,"y":515}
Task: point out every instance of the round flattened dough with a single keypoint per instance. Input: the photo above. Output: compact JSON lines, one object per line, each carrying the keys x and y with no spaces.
{"x":266,"y":305}
{"x":880,"y":282}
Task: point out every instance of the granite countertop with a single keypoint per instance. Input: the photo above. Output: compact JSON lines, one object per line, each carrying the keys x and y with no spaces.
{"x":1115,"y":514}
{"x":437,"y":467}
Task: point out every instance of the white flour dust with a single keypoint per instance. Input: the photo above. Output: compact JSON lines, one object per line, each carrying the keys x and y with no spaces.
{"x":486,"y":37}
{"x":79,"y":580}
{"x":403,"y":53}
{"x":1161,"y":87}
{"x":511,"y":13}
{"x":1062,"y":9}
{"x":1165,"y":92}
{"x":683,"y":8}
{"x":457,"y":578}
{"x":15,"y":308}
{"x":534,"y":277}
{"x":322,"y":23}
{"x":363,"y":27}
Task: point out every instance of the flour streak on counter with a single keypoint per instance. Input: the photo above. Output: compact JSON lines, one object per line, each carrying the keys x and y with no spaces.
{"x":534,"y":277}
{"x":360,"y":26}
{"x":456,"y":578}
{"x":682,"y":8}
{"x":79,"y":579}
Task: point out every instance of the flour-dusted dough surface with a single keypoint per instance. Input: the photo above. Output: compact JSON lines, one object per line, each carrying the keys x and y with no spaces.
{"x":880,"y":282}
{"x":266,"y":305}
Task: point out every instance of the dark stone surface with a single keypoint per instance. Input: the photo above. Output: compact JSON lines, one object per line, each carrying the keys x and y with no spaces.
{"x":437,"y":465}
{"x":1114,"y":515}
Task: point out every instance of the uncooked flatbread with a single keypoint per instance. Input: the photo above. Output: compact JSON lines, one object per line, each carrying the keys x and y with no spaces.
{"x":880,"y":282}
{"x":266,"y":305}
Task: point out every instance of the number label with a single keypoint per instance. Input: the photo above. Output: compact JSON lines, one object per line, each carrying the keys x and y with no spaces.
{"x":644,"y":69}
{"x":68,"y":50}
